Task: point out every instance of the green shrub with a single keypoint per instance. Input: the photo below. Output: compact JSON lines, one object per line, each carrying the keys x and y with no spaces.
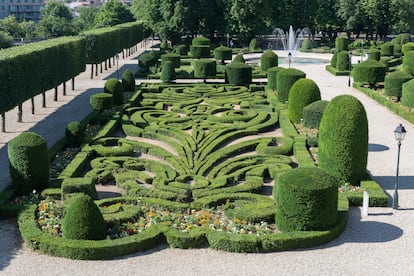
{"x":272,"y":76}
{"x":306,"y":45}
{"x":28,"y":162}
{"x":394,"y":81}
{"x":285,"y":79}
{"x":343,"y":139}
{"x":341,"y":44}
{"x":397,"y":50}
{"x":407,"y":47}
{"x":83,"y":220}
{"x":387,"y":49}
{"x":204,"y":68}
{"x":200,"y":51}
{"x":307,"y":200}
{"x":238,"y":74}
{"x":114,"y":87}
{"x":303,"y":92}
{"x":222,"y":53}
{"x":84,"y":185}
{"x":181,"y":50}
{"x":369,"y":71}
{"x":101,"y":101}
{"x":74,"y":134}
{"x":201,"y":41}
{"x":168,"y":72}
{"x":408,"y":62}
{"x":334,"y":59}
{"x":128,"y":81}
{"x":402,"y":38}
{"x":146,"y":61}
{"x":312,"y":114}
{"x":164,"y":47}
{"x":408,"y":94}
{"x":253,"y":45}
{"x":343,"y":61}
{"x":238,"y":59}
{"x":268,"y":59}
{"x":374,"y":54}
{"x":174,"y":58}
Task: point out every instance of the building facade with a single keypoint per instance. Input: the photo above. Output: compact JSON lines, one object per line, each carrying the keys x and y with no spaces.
{"x":21,"y":9}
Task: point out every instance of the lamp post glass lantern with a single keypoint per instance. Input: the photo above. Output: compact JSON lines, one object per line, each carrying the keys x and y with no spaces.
{"x":289,"y":58}
{"x":399,"y":133}
{"x":350,"y":68}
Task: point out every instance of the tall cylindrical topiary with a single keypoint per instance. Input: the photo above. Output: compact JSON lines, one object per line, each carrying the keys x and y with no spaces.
{"x":343,"y":139}
{"x":168,"y":72}
{"x":101,"y":101}
{"x":374,"y":54}
{"x":306,"y":45}
{"x":307,"y":200}
{"x":302,"y":93}
{"x":342,"y":61}
{"x":222,"y":53}
{"x":238,"y":74}
{"x":369,"y":71}
{"x":128,"y":81}
{"x":28,"y":162}
{"x":393,"y":83}
{"x":204,"y":68}
{"x":408,"y":62}
{"x":408,"y":94}
{"x":272,"y":76}
{"x":83,"y":220}
{"x":200,"y":51}
{"x":341,"y":44}
{"x":174,"y":58}
{"x":387,"y":49}
{"x":334,"y":59}
{"x":268,"y":59}
{"x":114,"y":87}
{"x":74,"y":134}
{"x":285,"y":79}
{"x":312,"y":114}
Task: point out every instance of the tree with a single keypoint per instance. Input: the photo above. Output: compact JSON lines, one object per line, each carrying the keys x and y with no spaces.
{"x":403,"y":10}
{"x":86,"y":19}
{"x":112,"y":13}
{"x":55,"y":20}
{"x":352,"y":16}
{"x":379,"y":15}
{"x":11,"y":26}
{"x":6,"y":40}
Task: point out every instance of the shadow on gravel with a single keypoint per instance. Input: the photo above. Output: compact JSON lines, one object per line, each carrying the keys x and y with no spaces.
{"x":377,"y":147}
{"x":10,"y":241}
{"x":405,"y":182}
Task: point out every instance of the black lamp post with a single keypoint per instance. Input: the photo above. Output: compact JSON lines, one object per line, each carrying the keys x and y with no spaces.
{"x":289,"y":58}
{"x":350,"y":68}
{"x":117,"y":60}
{"x":399,"y":133}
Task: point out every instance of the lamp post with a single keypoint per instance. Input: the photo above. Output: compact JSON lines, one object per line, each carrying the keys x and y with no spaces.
{"x":289,"y":58}
{"x":399,"y":133}
{"x":117,"y":72}
{"x":350,"y":67}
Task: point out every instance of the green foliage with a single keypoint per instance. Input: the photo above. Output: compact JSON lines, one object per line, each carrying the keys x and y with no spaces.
{"x":409,"y":46}
{"x":302,"y":93}
{"x":204,"y":68}
{"x":408,"y":94}
{"x":238,"y":59}
{"x":101,"y":101}
{"x":272,"y":76}
{"x":181,"y":50}
{"x":146,"y":61}
{"x":334,"y":59}
{"x":306,"y":44}
{"x":307,"y":199}
{"x":55,"y":20}
{"x":112,"y":13}
{"x":200,"y":51}
{"x":74,"y":134}
{"x":238,"y":74}
{"x":168,"y":72}
{"x":343,"y":61}
{"x":393,"y":83}
{"x":164,"y":47}
{"x":369,"y":71}
{"x":374,"y":54}
{"x":312,"y":114}
{"x":222,"y":53}
{"x":285,"y":79}
{"x":174,"y":58}
{"x":341,"y":44}
{"x":83,"y":220}
{"x":408,"y":62}
{"x":402,"y":38}
{"x":128,"y":81}
{"x":116,"y":89}
{"x":84,"y":185}
{"x":29,"y":163}
{"x":201,"y":41}
{"x":268,"y":59}
{"x":6,"y":40}
{"x":343,"y":139}
{"x":387,"y":49}
{"x":253,"y":45}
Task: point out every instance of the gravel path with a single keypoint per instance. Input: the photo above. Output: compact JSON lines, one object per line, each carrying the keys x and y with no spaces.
{"x":381,"y":243}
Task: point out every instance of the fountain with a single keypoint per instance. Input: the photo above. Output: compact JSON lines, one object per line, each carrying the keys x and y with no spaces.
{"x":291,"y":40}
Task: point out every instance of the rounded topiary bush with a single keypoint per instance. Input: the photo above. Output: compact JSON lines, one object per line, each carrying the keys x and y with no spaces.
{"x":407,"y":47}
{"x":307,"y":200}
{"x":408,"y":94}
{"x":28,"y":162}
{"x":268,"y":59}
{"x":312,"y":114}
{"x":201,"y":40}
{"x":114,"y":87}
{"x":343,"y":139}
{"x":342,"y":61}
{"x":204,"y":68}
{"x":374,"y":54}
{"x":397,"y":50}
{"x":303,"y":92}
{"x":181,"y":50}
{"x":334,"y":59}
{"x":174,"y":58}
{"x":272,"y":76}
{"x":83,"y":220}
{"x":408,"y":62}
{"x":402,"y":38}
{"x":306,"y":45}
{"x":341,"y":44}
{"x":387,"y":49}
{"x":238,"y":74}
{"x":145,"y":61}
{"x":393,"y":83}
{"x":101,"y":101}
{"x":285,"y":79}
{"x":200,"y":51}
{"x":369,"y":71}
{"x":168,"y":72}
{"x":74,"y":134}
{"x":253,"y":45}
{"x":128,"y":81}
{"x":222,"y":53}
{"x":238,"y":58}
{"x":164,"y":46}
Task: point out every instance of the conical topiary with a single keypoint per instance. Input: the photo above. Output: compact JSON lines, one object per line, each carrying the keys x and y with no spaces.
{"x":83,"y":220}
{"x":302,"y":93}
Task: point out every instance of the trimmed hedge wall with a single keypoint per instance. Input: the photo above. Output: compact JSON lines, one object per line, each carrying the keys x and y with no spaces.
{"x":285,"y":79}
{"x":341,"y":44}
{"x":174,"y":58}
{"x":393,"y":83}
{"x":272,"y":76}
{"x":408,"y":62}
{"x":268,"y":59}
{"x":408,"y":94}
{"x":204,"y":68}
{"x":342,"y":61}
{"x":312,"y":114}
{"x":407,"y":47}
{"x":369,"y":71}
{"x":101,"y":101}
{"x":199,"y":51}
{"x":303,"y":92}
{"x":238,"y":74}
{"x":387,"y":49}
